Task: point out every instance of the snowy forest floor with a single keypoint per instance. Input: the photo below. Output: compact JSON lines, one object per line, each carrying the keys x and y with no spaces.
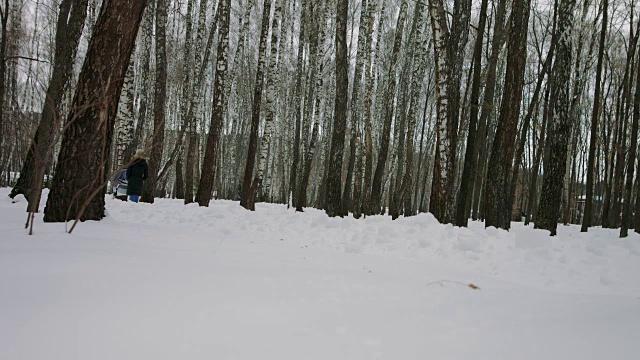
{"x":168,"y":281}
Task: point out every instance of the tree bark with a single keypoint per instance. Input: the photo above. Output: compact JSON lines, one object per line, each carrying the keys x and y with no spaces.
{"x":334,"y":191}
{"x":159,"y":104}
{"x":265,"y":144}
{"x":68,"y":31}
{"x":208,"y":172}
{"x":552,"y":184}
{"x":84,"y":154}
{"x":466,"y":184}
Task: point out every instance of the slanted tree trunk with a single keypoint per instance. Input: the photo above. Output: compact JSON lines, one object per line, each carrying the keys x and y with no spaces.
{"x":334,"y":191}
{"x":78,"y":188}
{"x":208,"y":173}
{"x":159,"y":104}
{"x":554,"y":169}
{"x":68,"y":31}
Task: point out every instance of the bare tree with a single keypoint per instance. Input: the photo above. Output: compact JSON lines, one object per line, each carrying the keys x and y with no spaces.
{"x":498,"y":211}
{"x":208,"y":173}
{"x":89,"y":128}
{"x":554,"y":169}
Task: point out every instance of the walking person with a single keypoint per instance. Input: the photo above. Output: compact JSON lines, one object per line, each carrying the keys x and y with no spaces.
{"x":136,"y":174}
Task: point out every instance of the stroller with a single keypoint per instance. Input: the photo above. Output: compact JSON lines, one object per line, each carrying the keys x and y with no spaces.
{"x":119,"y":185}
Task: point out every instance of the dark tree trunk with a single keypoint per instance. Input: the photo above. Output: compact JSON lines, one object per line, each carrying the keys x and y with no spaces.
{"x":84,"y":154}
{"x":470,"y":157}
{"x":208,"y":173}
{"x":347,"y":199}
{"x":626,"y":214}
{"x":68,"y":31}
{"x":334,"y":191}
{"x":159,"y":104}
{"x":4,"y":17}
{"x":487,"y":107}
{"x":498,"y":206}
{"x":554,"y":170}
{"x":293,"y":176}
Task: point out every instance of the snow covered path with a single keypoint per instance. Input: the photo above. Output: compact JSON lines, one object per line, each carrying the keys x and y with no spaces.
{"x":168,"y":281}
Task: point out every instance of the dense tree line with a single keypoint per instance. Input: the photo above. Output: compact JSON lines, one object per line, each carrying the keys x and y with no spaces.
{"x":495,"y":110}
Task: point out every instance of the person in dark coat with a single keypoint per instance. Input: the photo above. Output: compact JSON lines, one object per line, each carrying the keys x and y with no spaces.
{"x":137,"y":172}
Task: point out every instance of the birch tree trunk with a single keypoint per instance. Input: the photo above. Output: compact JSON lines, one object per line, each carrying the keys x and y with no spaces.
{"x":147,"y":31}
{"x":245,"y":195}
{"x":270,"y":108}
{"x":200,"y":61}
{"x":124,"y":120}
{"x":420,"y":45}
{"x":449,"y":55}
{"x":208,"y":173}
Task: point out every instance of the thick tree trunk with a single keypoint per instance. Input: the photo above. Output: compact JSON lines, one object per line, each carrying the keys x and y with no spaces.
{"x":551,"y":197}
{"x":79,"y":185}
{"x":334,"y":191}
{"x":498,"y":205}
{"x":449,"y":49}
{"x":208,"y":173}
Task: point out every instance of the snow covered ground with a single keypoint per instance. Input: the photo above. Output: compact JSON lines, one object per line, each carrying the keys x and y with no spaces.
{"x":168,"y":281}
